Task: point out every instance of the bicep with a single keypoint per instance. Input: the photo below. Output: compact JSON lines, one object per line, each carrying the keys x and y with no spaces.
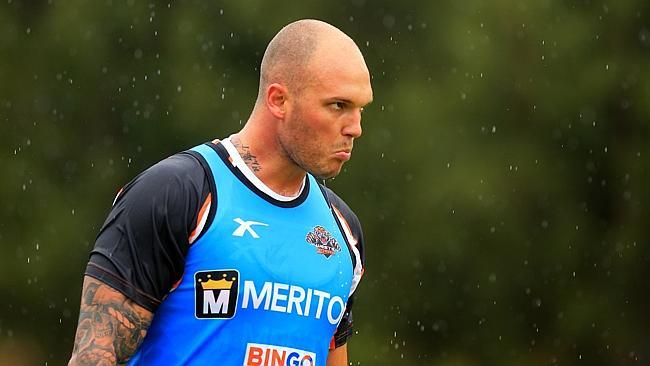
{"x":110,"y":327}
{"x":338,"y":356}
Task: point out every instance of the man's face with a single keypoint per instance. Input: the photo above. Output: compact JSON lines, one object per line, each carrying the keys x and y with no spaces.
{"x":324,"y":117}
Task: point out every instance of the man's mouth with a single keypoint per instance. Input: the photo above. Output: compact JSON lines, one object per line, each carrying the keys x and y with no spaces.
{"x":344,"y":154}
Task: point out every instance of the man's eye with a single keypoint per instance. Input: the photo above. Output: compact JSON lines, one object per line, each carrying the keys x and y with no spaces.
{"x":338,"y":105}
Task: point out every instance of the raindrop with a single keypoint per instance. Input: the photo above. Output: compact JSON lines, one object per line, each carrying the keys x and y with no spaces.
{"x":644,"y":37}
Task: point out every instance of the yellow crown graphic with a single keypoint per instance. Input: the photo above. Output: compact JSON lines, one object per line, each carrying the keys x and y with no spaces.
{"x":222,"y":284}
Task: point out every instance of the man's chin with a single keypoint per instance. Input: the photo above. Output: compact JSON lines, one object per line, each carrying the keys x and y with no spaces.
{"x":327,"y":175}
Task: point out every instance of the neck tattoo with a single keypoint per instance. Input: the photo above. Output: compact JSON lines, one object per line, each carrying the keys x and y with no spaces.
{"x":245,"y":152}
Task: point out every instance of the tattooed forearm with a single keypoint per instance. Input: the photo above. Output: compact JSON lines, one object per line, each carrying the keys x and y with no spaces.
{"x":110,"y":328}
{"x":245,"y":152}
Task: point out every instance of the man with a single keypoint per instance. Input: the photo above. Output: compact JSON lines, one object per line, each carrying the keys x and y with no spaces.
{"x":232,"y":253}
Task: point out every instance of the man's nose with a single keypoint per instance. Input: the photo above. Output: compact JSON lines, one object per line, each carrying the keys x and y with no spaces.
{"x":352,"y":127}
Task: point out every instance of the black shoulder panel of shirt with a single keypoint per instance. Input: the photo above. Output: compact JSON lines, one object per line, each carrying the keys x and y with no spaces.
{"x":344,"y":330}
{"x":351,"y":220}
{"x":141,"y":248}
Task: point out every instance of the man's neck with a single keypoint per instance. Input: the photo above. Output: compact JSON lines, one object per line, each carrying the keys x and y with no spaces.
{"x":246,"y":155}
{"x":269,"y":166}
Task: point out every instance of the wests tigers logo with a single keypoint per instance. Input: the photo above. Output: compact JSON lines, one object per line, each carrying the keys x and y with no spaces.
{"x":323,"y":241}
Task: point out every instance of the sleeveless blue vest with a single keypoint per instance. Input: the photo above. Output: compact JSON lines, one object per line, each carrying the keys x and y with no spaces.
{"x":265,"y":285}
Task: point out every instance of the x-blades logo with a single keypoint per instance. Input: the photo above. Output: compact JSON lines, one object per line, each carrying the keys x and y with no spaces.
{"x":246,"y":227}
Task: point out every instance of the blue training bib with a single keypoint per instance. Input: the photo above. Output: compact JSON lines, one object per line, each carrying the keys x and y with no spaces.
{"x":266,"y":284}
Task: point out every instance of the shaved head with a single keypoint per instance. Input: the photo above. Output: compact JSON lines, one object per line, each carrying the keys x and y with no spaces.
{"x":314,"y":84}
{"x":289,"y":54}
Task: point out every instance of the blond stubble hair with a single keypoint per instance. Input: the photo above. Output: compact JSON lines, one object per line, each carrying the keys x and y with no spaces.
{"x":288,"y":55}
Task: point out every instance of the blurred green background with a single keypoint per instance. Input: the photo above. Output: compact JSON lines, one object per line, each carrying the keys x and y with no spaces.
{"x":500,"y":178}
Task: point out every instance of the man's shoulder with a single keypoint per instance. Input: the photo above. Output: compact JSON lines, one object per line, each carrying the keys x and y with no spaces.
{"x":181,"y":172}
{"x":339,"y":204}
{"x":351,"y":224}
{"x":179,"y":164}
{"x":178,"y":170}
{"x":336,"y":200}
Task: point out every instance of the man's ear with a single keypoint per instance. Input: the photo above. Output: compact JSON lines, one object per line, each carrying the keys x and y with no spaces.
{"x":276,"y":100}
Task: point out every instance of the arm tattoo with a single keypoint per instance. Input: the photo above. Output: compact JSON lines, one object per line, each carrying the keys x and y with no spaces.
{"x":245,"y":152}
{"x":111,"y":326}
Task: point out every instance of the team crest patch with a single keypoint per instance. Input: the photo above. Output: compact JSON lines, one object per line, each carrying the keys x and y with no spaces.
{"x":323,"y":241}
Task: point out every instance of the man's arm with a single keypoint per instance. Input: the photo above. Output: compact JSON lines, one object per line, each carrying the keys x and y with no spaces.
{"x":111,"y":326}
{"x":338,"y":356}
